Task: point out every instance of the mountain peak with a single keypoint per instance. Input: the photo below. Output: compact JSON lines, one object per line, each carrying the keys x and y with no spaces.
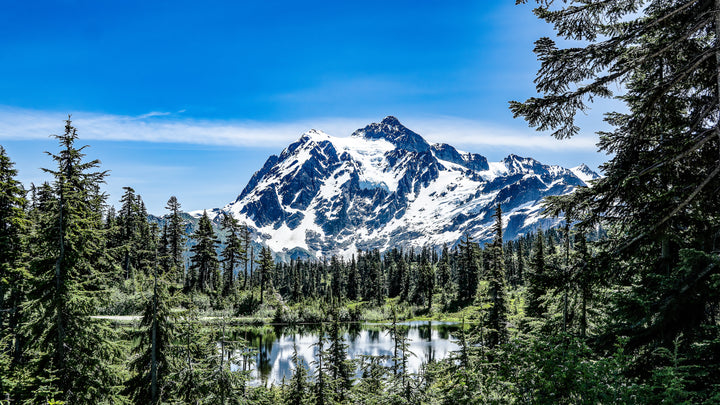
{"x":391,"y":130}
{"x":390,"y":120}
{"x":315,"y":135}
{"x":584,"y":173}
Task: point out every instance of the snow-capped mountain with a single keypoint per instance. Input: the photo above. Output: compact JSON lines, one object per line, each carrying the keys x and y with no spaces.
{"x":385,"y":186}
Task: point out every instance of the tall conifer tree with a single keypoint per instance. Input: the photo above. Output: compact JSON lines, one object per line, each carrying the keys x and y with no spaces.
{"x":176,"y":238}
{"x":231,"y":254}
{"x":13,"y":272}
{"x":204,"y":260}
{"x":497,"y":313}
{"x":71,"y":354}
{"x":534,"y":307}
{"x":468,"y":270}
{"x":658,"y":196}
{"x":266,"y":268}
{"x":152,"y":361}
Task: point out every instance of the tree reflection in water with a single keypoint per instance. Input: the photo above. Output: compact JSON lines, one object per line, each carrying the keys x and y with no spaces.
{"x":273,"y":346}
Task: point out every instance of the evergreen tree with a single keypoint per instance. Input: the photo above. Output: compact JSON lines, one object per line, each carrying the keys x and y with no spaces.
{"x":536,"y":280}
{"x":369,"y":390}
{"x":467,"y":278}
{"x":299,"y":385}
{"x":444,"y":269}
{"x":427,"y":280}
{"x":322,"y":390}
{"x":204,"y":260}
{"x":191,"y":353}
{"x":224,"y":385}
{"x":128,"y":226}
{"x":71,"y":354}
{"x":520,"y":274}
{"x":176,"y":237}
{"x":658,"y":198}
{"x":247,"y":257}
{"x":266,"y":267}
{"x":404,"y":277}
{"x":353,"y":280}
{"x":13,"y":274}
{"x":130,"y":236}
{"x":164,"y":254}
{"x":497,"y":313}
{"x":401,"y":352}
{"x":375,"y":282}
{"x":338,"y":367}
{"x":231,"y":254}
{"x":145,"y":253}
{"x":152,"y":361}
{"x":585,"y":279}
{"x":338,"y":278}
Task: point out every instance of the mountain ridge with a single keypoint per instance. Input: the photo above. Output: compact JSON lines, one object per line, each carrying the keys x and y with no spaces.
{"x":386,"y":186}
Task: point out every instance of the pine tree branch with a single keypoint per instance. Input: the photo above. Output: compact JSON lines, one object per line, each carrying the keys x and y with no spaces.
{"x":537,"y":111}
{"x":665,"y":303}
{"x":674,"y":211}
{"x":682,"y":155}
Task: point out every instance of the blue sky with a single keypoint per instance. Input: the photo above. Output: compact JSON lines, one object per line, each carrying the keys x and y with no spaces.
{"x":189,"y":98}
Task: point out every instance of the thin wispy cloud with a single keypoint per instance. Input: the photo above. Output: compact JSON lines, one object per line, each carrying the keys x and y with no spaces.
{"x":153,"y":114}
{"x":164,"y":127}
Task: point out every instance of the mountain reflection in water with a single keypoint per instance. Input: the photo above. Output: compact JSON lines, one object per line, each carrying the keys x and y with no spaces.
{"x":272,"y":361}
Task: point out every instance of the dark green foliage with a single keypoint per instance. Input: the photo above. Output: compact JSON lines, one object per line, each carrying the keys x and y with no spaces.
{"x":427,"y":280}
{"x":401,"y":352}
{"x":323,"y":389}
{"x":175,"y":236}
{"x":225,"y":385}
{"x":658,"y":198}
{"x":152,"y":362}
{"x":370,"y":388}
{"x":13,"y":274}
{"x":164,"y":258}
{"x":266,"y":268}
{"x":444,"y":270}
{"x":231,"y":254}
{"x":468,"y":269}
{"x":299,"y":390}
{"x":71,"y":355}
{"x":191,"y":352}
{"x":353,"y":280}
{"x":131,"y":224}
{"x":338,"y":278}
{"x":204,"y":269}
{"x":247,"y":257}
{"x":339,"y":369}
{"x":497,"y":313}
{"x":534,"y":306}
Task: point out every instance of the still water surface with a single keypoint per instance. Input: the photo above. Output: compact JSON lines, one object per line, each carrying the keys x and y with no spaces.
{"x":272,"y":361}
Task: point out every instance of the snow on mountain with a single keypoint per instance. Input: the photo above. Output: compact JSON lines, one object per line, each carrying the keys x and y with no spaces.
{"x":585,"y":174}
{"x":385,"y":186}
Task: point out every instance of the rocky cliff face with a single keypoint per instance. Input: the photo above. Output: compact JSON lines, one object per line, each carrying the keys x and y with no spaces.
{"x":385,"y":186}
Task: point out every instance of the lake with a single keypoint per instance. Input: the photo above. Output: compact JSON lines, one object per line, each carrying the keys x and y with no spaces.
{"x":272,"y":360}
